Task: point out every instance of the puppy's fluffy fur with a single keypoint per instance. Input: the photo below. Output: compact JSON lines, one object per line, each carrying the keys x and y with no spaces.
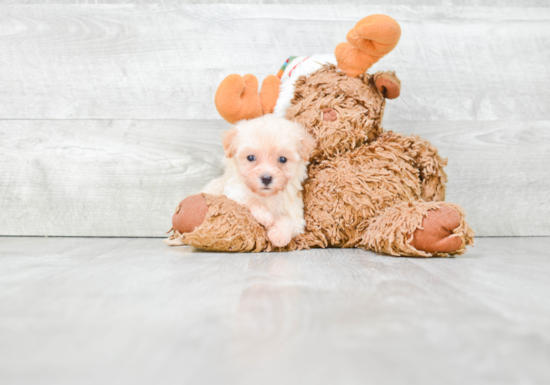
{"x":257,"y":150}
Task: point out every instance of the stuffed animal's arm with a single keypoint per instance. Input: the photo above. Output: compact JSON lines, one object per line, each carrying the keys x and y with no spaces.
{"x":426,"y":159}
{"x":430,"y":165}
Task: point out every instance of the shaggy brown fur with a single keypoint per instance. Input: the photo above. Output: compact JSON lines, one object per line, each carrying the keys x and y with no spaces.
{"x":366,"y":188}
{"x":358,"y":104}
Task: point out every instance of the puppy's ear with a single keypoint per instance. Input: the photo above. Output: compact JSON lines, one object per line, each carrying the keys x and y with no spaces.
{"x":229,"y":145}
{"x":308,"y":144}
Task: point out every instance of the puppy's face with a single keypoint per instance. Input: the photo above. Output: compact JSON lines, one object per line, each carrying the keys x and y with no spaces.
{"x":268,"y":152}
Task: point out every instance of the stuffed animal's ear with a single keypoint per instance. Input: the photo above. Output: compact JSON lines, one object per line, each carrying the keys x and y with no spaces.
{"x":388,"y":84}
{"x":308,"y":144}
{"x":229,"y":145}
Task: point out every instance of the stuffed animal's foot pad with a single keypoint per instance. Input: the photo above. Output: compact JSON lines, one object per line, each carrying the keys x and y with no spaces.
{"x":190,"y":214}
{"x":436,"y":234}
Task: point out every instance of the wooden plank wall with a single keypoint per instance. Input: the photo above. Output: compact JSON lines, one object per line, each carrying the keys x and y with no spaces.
{"x":107,"y":118}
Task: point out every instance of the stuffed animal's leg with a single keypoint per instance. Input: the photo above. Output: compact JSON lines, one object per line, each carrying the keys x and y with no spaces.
{"x":422,"y":229}
{"x":216,"y":223}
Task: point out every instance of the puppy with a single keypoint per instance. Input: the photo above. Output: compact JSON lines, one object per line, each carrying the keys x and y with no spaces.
{"x":265,"y":165}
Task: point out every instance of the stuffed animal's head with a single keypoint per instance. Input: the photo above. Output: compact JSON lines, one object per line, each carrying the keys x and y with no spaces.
{"x":341,"y":112}
{"x":335,"y":99}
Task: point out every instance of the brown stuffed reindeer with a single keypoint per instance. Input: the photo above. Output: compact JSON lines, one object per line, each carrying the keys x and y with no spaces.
{"x":367,"y":188}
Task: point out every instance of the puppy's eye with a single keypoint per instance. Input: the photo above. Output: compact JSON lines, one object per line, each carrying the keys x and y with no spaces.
{"x":282,"y":159}
{"x":251,"y":158}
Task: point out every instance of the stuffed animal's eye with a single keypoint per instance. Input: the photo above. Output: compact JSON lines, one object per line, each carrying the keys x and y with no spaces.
{"x":282,"y":159}
{"x":251,"y":158}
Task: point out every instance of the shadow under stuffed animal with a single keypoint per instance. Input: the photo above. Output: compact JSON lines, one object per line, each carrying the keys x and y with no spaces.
{"x":366,"y":188}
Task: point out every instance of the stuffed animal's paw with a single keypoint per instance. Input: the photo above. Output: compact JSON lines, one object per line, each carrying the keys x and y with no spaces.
{"x":190,"y":214}
{"x":437,"y":232}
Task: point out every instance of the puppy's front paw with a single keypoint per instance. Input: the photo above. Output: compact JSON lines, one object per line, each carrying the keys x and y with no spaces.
{"x":279,"y":234}
{"x":264,"y":217}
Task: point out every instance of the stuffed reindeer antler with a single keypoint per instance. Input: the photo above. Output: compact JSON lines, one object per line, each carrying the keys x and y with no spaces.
{"x":372,"y":38}
{"x":237,"y":97}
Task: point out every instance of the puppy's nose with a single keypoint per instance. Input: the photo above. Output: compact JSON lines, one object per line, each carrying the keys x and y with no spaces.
{"x":266,"y":179}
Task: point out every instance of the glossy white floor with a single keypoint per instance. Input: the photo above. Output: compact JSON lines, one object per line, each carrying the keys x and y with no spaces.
{"x":134,"y":311}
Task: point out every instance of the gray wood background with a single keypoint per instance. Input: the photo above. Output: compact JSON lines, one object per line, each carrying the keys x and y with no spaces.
{"x":107,"y":118}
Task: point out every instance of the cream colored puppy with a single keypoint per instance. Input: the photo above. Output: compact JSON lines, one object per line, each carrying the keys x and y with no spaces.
{"x":265,"y":165}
